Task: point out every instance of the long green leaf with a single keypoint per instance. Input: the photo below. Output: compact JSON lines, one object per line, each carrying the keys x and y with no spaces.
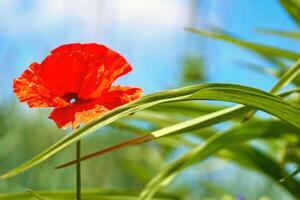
{"x":294,"y":173}
{"x":287,"y":77}
{"x":198,"y":154}
{"x":186,"y":108}
{"x":182,"y":127}
{"x":266,"y":165}
{"x":122,"y":111}
{"x":287,"y":34}
{"x":258,"y":161}
{"x":258,"y":48}
{"x":223,"y":92}
{"x":189,"y":125}
{"x":293,"y":9}
{"x":37,"y":196}
{"x":153,"y":186}
{"x":260,"y":69}
{"x":91,"y":194}
{"x":268,"y":71}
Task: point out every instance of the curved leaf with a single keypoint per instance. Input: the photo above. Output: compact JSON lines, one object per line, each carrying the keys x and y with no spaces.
{"x":258,"y":48}
{"x":182,"y":127}
{"x":222,"y":92}
{"x":200,"y":153}
{"x":266,"y":165}
{"x":293,"y":9}
{"x":285,"y":79}
{"x":88,"y":194}
{"x":287,"y":34}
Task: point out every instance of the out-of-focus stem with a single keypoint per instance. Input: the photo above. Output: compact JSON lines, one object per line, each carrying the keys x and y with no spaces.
{"x":78,"y":170}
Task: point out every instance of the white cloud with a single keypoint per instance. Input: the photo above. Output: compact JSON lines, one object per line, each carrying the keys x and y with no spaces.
{"x":40,"y":16}
{"x":152,"y":12}
{"x":92,"y":15}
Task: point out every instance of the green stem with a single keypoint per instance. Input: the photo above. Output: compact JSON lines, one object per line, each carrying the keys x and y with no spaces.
{"x":78,"y":170}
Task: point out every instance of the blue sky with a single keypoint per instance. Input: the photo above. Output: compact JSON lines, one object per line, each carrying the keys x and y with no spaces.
{"x":149,"y":33}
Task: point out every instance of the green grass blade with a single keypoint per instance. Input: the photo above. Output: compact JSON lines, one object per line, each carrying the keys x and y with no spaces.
{"x":293,"y":9}
{"x":287,"y":77}
{"x":198,"y":154}
{"x":38,"y":196}
{"x":287,"y":34}
{"x":294,"y":173}
{"x":122,"y":111}
{"x":222,"y":92}
{"x":182,"y":127}
{"x":186,"y":108}
{"x":186,"y":126}
{"x":258,"y":48}
{"x":88,"y":194}
{"x":269,"y":71}
{"x":265,"y":164}
{"x":260,"y":69}
{"x":259,"y":129}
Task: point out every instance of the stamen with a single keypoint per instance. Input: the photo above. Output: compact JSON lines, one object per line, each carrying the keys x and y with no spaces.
{"x":70,"y":97}
{"x":72,"y":100}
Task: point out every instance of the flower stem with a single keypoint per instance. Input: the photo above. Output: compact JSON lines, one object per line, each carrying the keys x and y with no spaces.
{"x":78,"y":170}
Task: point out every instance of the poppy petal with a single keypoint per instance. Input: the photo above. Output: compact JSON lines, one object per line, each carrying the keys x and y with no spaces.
{"x":102,"y":76}
{"x":29,"y":88}
{"x":85,"y":69}
{"x":73,"y":115}
{"x":119,"y":95}
{"x":79,"y":112}
{"x":77,"y":80}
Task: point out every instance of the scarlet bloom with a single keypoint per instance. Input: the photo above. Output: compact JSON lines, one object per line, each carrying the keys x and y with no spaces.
{"x":76,"y":80}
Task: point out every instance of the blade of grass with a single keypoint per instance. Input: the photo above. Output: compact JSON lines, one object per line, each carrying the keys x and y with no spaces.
{"x":223,"y":92}
{"x":260,"y":69}
{"x":196,"y":155}
{"x":266,"y":52}
{"x":88,"y":194}
{"x":293,"y":9}
{"x":258,"y":48}
{"x":294,"y":173}
{"x":182,"y":127}
{"x":38,"y":196}
{"x":122,"y":111}
{"x":265,"y":164}
{"x":286,"y":34}
{"x":196,"y":123}
{"x":287,"y":77}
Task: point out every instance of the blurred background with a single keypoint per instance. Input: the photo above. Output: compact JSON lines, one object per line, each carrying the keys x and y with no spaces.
{"x":151,"y":35}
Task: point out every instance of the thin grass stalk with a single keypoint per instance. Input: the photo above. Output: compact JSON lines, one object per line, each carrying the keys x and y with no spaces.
{"x":78,"y":170}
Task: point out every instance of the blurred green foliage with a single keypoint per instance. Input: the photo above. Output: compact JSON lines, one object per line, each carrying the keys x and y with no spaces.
{"x":249,"y":163}
{"x":193,"y":70}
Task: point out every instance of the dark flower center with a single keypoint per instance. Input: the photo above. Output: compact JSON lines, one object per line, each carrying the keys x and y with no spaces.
{"x":70,"y":97}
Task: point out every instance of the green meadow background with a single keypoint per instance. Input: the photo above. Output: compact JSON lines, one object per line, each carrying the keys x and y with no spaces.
{"x":170,"y":44}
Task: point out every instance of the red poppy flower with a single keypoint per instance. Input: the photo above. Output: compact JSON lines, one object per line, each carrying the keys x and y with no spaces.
{"x":76,"y":79}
